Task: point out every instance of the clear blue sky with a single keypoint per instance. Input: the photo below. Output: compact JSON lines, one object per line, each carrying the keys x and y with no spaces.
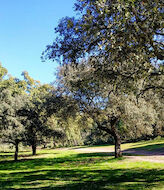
{"x":26,"y":27}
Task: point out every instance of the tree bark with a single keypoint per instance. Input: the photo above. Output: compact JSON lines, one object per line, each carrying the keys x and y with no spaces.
{"x":113,"y":131}
{"x":117,"y":138}
{"x":34,"y":148}
{"x":16,"y":151}
{"x":118,"y":152}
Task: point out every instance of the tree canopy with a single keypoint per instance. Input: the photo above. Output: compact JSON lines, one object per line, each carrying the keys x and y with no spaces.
{"x":122,"y":39}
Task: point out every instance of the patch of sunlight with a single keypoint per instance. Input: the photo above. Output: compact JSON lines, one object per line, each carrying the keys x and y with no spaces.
{"x":159,"y":187}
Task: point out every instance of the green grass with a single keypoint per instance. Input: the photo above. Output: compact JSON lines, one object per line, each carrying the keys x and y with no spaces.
{"x":56,"y":169}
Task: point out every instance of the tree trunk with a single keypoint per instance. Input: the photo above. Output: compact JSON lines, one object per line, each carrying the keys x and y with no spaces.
{"x":116,"y":136}
{"x":34,"y":148}
{"x":16,"y":152}
{"x":113,"y":131}
{"x":44,"y":145}
{"x":118,"y":152}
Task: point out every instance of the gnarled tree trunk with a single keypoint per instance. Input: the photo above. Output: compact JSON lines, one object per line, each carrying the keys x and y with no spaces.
{"x":116,"y":136}
{"x":117,"y":140}
{"x":112,"y":131}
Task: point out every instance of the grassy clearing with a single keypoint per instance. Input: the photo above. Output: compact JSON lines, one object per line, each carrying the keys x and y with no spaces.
{"x":57,"y":169}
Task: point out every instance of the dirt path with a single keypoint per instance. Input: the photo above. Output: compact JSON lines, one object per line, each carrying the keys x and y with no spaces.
{"x":155,"y":159}
{"x":156,"y":156}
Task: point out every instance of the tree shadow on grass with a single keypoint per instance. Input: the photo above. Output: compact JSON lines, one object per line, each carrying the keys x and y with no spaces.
{"x":36,"y":174}
{"x":35,"y":162}
{"x":87,"y":179}
{"x":23,"y":156}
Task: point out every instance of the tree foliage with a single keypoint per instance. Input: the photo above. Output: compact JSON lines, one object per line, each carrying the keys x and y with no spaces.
{"x":123,"y":39}
{"x":12,"y":99}
{"x":24,"y":115}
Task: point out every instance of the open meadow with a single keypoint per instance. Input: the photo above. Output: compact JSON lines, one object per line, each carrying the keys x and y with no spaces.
{"x":141,"y":167}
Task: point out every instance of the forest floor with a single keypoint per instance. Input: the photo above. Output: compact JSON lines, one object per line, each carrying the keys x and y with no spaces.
{"x":86,"y":168}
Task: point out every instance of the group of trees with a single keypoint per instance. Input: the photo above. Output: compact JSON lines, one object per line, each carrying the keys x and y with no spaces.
{"x":111,"y":65}
{"x":23,"y":115}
